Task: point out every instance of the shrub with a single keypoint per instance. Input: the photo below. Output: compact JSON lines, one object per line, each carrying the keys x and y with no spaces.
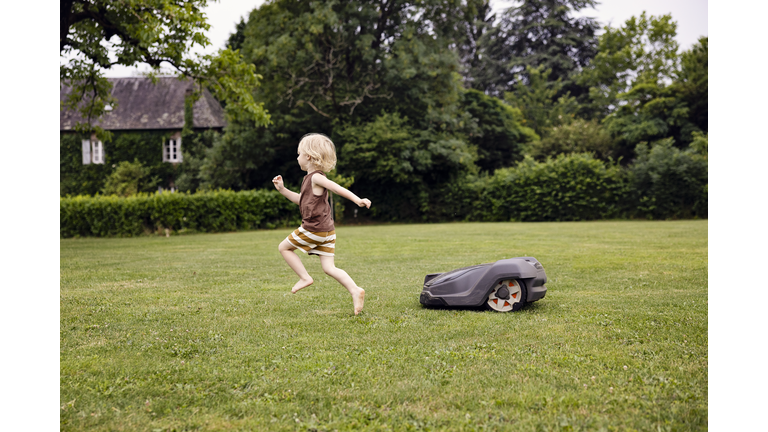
{"x":216,"y":211}
{"x":669,"y":182}
{"x":128,"y":179}
{"x":581,"y":136}
{"x":567,"y":188}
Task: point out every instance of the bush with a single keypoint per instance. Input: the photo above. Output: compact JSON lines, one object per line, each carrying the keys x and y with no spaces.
{"x":567,"y":188}
{"x":216,"y":211}
{"x":669,"y":182}
{"x":581,"y":136}
{"x":128,"y":179}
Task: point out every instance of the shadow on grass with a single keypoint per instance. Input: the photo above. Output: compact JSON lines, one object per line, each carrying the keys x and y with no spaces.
{"x":528,"y":307}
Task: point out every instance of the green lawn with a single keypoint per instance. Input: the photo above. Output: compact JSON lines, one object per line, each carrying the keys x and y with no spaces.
{"x":200,"y":332}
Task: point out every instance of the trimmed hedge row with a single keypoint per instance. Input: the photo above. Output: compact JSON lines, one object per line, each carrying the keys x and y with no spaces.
{"x":662,"y":183}
{"x":215,"y":211}
{"x":568,"y":188}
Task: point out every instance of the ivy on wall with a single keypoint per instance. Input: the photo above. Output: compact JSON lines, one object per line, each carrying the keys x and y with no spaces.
{"x":144,"y":146}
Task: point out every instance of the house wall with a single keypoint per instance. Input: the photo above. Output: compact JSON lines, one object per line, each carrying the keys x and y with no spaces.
{"x":146,"y":146}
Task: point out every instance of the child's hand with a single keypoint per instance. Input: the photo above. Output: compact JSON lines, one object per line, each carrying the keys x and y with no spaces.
{"x":278,"y":182}
{"x":365,"y":202}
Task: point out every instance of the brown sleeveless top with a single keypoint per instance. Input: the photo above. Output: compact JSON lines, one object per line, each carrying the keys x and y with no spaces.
{"x":315,"y":210}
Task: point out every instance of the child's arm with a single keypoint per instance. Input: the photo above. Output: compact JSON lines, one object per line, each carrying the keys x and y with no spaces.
{"x":340,"y":191}
{"x":292,"y":196}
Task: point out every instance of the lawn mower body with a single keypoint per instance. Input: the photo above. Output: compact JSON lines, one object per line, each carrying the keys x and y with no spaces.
{"x":504,"y":285}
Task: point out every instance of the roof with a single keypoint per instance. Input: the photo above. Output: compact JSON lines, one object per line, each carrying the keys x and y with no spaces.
{"x":143,"y":105}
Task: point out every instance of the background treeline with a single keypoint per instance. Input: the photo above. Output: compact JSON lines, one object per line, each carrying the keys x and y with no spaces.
{"x":442,"y":110}
{"x":662,"y":182}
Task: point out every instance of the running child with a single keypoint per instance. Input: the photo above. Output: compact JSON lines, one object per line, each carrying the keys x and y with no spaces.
{"x":316,"y":235}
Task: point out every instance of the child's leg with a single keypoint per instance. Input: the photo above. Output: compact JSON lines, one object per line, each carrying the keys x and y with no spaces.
{"x":294,"y":262}
{"x":358,"y":294}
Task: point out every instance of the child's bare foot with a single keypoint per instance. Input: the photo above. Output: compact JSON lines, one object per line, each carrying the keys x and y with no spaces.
{"x":358,"y":299}
{"x":302,"y":283}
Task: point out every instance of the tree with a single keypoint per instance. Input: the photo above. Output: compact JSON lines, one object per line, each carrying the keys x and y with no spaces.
{"x":533,"y":34}
{"x":653,"y":109}
{"x":336,"y":58}
{"x":475,"y":24}
{"x":236,"y":39}
{"x":693,"y":82}
{"x":539,"y":101}
{"x":155,"y":32}
{"x":332,"y":66}
{"x":500,"y":137}
{"x":643,"y":50}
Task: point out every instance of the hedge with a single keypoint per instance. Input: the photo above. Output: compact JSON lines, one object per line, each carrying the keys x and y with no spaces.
{"x":215,"y":211}
{"x":668,"y":182}
{"x":662,"y":183}
{"x":568,"y":188}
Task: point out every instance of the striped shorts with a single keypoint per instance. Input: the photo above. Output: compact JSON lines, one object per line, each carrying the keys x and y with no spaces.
{"x":313,"y":243}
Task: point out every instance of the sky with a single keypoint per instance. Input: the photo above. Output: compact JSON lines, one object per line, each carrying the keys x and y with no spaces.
{"x":690,"y":15}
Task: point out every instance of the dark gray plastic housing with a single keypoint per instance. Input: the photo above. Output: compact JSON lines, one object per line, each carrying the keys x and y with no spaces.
{"x":471,"y":286}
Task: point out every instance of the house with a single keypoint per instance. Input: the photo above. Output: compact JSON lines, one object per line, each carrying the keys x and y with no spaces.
{"x":146,"y":124}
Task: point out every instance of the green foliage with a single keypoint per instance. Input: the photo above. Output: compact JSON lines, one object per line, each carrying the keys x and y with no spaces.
{"x":238,"y":159}
{"x":669,"y":182}
{"x":388,"y":153}
{"x":339,"y":202}
{"x":386,"y":149}
{"x":473,"y":26}
{"x":383,"y":81}
{"x":500,"y":136}
{"x":128,"y":179}
{"x":664,"y":182}
{"x":642,"y":50}
{"x":154,"y":32}
{"x":233,"y":82}
{"x":144,"y":146}
{"x":700,"y":143}
{"x":646,"y":89}
{"x":580,"y":136}
{"x":692,"y":83}
{"x":214,"y":211}
{"x":566,"y":188}
{"x":333,"y":66}
{"x":194,"y":147}
{"x":236,"y":39}
{"x":334,"y":59}
{"x":651,"y":112}
{"x":536,"y":34}
{"x":539,"y":103}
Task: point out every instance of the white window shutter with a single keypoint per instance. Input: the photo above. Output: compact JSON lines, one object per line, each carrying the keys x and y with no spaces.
{"x":86,"y":152}
{"x":178,"y":150}
{"x":98,"y":152}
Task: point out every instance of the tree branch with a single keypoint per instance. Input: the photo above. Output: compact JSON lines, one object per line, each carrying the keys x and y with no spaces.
{"x":313,"y":107}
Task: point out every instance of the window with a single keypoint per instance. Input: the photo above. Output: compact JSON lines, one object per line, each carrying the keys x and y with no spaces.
{"x":172,"y":150}
{"x":98,"y":152}
{"x":93,"y":151}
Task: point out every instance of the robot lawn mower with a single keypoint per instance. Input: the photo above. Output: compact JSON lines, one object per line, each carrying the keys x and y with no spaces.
{"x":503,"y":286}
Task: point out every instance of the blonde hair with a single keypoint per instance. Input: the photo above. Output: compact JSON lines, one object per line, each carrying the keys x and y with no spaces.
{"x":320,"y":150}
